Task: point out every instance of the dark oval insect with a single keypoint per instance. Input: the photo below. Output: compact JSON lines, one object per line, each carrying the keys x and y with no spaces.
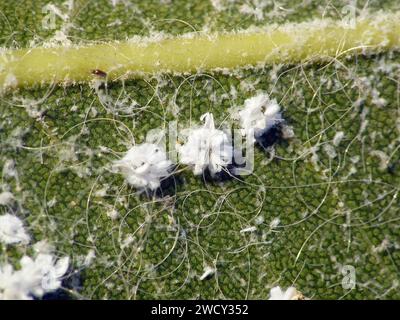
{"x":99,"y":73}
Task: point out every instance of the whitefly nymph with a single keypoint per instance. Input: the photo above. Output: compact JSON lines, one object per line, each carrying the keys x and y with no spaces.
{"x":144,"y":166}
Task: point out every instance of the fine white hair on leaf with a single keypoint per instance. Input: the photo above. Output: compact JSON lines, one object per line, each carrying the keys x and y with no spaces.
{"x":144,"y":165}
{"x":35,"y":277}
{"x":248,"y":229}
{"x":383,"y":157}
{"x":12,"y":230}
{"x":290,"y":293}
{"x":9,"y":168}
{"x":91,"y":255}
{"x":274,"y":223}
{"x":6,"y":198}
{"x":287,"y":132}
{"x":43,"y":246}
{"x":259,"y":114}
{"x":337,"y":139}
{"x":114,"y":2}
{"x":206,"y":147}
{"x":330,"y":151}
{"x":208,"y":271}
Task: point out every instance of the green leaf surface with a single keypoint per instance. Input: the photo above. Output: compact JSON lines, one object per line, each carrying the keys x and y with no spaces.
{"x":332,"y":210}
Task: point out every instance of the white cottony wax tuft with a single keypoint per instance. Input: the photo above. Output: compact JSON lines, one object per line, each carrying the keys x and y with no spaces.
{"x":290,"y":293}
{"x":144,"y":166}
{"x":259,"y":114}
{"x":12,"y":230}
{"x":35,"y":277}
{"x":206,"y":148}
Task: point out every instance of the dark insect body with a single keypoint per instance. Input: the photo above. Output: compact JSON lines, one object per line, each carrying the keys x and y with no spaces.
{"x":99,"y":73}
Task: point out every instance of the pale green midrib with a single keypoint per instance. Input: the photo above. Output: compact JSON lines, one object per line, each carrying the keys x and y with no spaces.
{"x":289,"y":43}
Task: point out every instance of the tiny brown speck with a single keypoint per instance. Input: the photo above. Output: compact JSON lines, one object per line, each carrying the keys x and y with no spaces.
{"x":99,"y":73}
